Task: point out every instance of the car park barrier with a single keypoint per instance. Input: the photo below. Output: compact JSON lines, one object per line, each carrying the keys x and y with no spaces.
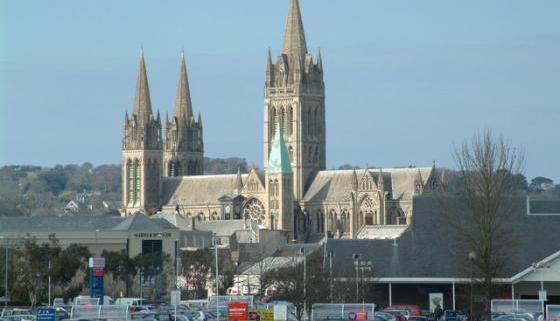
{"x":533,"y":307}
{"x":342,"y":311}
{"x":553,"y":312}
{"x":224,"y":300}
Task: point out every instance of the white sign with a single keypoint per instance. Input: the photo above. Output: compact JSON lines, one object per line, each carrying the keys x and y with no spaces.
{"x":280,"y":312}
{"x":97,"y":262}
{"x":542,"y":295}
{"x":175,"y":297}
{"x":435,"y":300}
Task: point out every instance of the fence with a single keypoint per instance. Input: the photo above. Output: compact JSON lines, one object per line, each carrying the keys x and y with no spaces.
{"x":340,"y":311}
{"x":224,"y":300}
{"x":517,"y":306}
{"x":553,"y":312}
{"x":115,"y":312}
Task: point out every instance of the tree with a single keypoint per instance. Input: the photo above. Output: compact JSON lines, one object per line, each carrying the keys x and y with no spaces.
{"x":488,"y":168}
{"x":153,"y":266}
{"x":289,"y":283}
{"x":196,"y":268}
{"x":120,"y":266}
{"x":34,"y":262}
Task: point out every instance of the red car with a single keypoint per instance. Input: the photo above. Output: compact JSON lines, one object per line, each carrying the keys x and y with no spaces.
{"x":407,"y":309}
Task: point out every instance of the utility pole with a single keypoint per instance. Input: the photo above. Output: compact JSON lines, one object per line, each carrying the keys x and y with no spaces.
{"x":302,"y":251}
{"x":356,"y":261}
{"x":217,"y":283}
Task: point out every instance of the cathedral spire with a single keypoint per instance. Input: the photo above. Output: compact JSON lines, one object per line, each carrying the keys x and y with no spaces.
{"x":279,"y":160}
{"x":294,"y":36}
{"x":183,"y":105}
{"x":142,"y":103}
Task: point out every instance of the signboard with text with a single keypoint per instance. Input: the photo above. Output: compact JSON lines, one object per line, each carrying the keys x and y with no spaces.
{"x":96,"y":273}
{"x":237,"y":311}
{"x":46,"y":314}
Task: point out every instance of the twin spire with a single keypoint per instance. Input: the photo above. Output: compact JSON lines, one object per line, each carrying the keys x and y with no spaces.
{"x":142,"y":103}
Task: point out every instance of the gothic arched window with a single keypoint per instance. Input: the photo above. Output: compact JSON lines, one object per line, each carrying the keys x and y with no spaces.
{"x":274,"y":120}
{"x":291,"y":153}
{"x":254,"y":210}
{"x":283,"y":120}
{"x":137,"y":180}
{"x":367,"y":207}
{"x":290,"y":120}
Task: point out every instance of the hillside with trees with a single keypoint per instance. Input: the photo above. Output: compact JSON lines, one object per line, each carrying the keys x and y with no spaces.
{"x":76,"y":189}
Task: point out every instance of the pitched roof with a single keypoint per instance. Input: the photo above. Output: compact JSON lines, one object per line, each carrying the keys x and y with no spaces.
{"x":221,"y":227}
{"x":140,"y":222}
{"x":381,"y":232}
{"x":197,"y":190}
{"x":549,"y":206}
{"x":177,"y":219}
{"x":57,"y":223}
{"x":425,"y":249}
{"x":335,"y":185}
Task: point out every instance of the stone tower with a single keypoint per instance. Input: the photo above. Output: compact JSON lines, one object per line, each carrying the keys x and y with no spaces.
{"x":294,"y":98}
{"x":279,"y":184}
{"x":141,"y":151}
{"x":183,"y":148}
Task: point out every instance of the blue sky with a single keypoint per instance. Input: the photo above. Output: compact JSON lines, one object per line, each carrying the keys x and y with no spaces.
{"x":405,"y":80}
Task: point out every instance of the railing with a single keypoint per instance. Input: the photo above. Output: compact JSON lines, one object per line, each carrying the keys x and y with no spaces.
{"x":341,"y":311}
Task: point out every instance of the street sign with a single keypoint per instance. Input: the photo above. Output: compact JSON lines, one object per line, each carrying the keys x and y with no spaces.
{"x":280,"y":311}
{"x":237,"y":311}
{"x":542,"y":295}
{"x":175,"y":297}
{"x":96,"y":262}
{"x":46,"y":314}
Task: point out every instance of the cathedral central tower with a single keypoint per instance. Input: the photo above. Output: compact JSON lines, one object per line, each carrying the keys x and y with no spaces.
{"x":294,"y":98}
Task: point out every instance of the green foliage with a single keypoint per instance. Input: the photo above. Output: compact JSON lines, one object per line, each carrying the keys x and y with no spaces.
{"x":34,"y":262}
{"x":120,"y":266}
{"x":196,"y":267}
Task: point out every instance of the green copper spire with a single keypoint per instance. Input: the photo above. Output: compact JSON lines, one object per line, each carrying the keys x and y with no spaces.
{"x":279,"y":160}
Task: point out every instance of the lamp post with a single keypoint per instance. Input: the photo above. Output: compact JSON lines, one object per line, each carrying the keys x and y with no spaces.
{"x":302,"y":252}
{"x":356,"y":258}
{"x":215,"y":240}
{"x":331,"y":255}
{"x":472,"y":257}
{"x":236,"y":263}
{"x":6,"y":271}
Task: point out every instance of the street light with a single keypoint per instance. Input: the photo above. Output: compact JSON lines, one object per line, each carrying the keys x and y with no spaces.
{"x":356,"y":258}
{"x":215,"y":240}
{"x":331,"y":254}
{"x":302,"y":252}
{"x":472,"y":257}
{"x":6,"y":270}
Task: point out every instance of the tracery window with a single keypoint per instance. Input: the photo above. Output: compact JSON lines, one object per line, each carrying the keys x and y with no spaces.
{"x":254,"y":210}
{"x":290,"y":120}
{"x":368,"y":209}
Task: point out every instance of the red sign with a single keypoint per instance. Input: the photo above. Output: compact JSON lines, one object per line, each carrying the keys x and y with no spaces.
{"x":357,"y":315}
{"x":98,"y":272}
{"x":237,"y":311}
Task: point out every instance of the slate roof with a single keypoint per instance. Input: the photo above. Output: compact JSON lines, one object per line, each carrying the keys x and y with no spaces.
{"x":425,"y":250}
{"x":544,"y":206}
{"x":335,"y":185}
{"x":221,"y":227}
{"x":57,"y":223}
{"x":177,"y":219}
{"x":382,"y":232}
{"x":197,"y":190}
{"x":140,"y":222}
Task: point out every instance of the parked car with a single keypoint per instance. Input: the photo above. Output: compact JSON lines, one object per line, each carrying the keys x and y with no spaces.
{"x":411,"y":309}
{"x":417,"y":318}
{"x":15,"y":311}
{"x":396,"y":313}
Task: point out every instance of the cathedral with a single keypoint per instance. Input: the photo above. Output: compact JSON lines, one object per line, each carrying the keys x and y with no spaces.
{"x":162,"y":166}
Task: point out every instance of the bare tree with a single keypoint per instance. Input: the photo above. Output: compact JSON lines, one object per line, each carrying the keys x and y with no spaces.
{"x":489,"y":168}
